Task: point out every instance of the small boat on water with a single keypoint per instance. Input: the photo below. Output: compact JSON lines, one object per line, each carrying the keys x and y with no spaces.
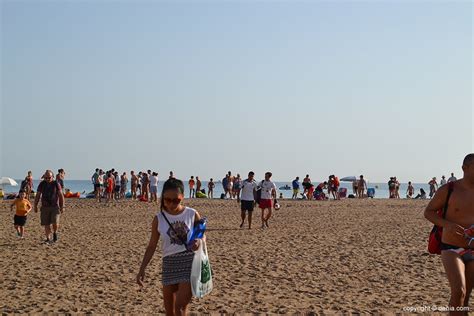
{"x":285,"y":187}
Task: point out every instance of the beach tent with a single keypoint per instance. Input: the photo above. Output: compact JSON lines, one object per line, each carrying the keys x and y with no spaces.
{"x":348,"y":179}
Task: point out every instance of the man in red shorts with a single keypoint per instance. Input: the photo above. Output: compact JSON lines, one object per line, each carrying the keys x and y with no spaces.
{"x":268,"y":194}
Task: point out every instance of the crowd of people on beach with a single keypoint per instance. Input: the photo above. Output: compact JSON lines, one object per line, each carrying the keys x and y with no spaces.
{"x":456,"y":244}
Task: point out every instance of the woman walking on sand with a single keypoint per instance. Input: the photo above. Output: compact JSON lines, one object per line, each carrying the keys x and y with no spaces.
{"x":174,"y":223}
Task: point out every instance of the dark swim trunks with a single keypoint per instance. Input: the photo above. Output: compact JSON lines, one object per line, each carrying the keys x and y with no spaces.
{"x":466,"y":254}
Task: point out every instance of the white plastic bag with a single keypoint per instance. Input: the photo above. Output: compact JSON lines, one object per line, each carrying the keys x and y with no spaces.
{"x":201,"y":274}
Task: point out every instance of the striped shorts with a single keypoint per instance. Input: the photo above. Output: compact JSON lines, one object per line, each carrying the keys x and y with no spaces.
{"x":177,"y":268}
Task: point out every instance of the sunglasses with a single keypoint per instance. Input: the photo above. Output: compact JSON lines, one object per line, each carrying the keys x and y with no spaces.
{"x":47,"y":178}
{"x":172,"y":201}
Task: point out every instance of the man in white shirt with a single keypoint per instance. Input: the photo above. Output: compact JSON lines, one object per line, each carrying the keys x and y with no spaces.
{"x":268,"y":195}
{"x":247,"y":198}
{"x":452,"y":178}
{"x":443,"y":181}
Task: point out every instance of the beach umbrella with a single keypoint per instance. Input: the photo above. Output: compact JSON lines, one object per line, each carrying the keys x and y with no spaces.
{"x":349,"y":179}
{"x":7,"y":181}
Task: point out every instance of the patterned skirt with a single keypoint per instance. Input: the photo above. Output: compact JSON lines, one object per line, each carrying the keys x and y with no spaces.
{"x":177,"y":268}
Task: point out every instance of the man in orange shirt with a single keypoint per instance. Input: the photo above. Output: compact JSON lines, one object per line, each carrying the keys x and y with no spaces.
{"x":23,"y":207}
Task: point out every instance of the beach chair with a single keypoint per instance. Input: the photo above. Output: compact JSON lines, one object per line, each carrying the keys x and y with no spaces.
{"x":342,"y":192}
{"x":370,"y":192}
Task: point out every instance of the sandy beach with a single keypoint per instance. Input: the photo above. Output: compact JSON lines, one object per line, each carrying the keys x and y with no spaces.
{"x":350,"y":255}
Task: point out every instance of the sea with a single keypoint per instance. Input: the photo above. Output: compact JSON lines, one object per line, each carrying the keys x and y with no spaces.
{"x":381,"y":189}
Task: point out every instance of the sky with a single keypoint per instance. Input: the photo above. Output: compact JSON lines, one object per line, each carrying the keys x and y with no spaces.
{"x":380,"y":88}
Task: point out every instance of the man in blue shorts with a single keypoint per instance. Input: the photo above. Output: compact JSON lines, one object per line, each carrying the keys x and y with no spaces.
{"x":247,"y":198}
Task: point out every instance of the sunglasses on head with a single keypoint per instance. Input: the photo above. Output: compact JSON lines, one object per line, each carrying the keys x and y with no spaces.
{"x":174,"y":201}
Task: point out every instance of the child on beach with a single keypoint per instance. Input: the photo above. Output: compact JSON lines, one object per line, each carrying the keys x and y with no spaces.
{"x":175,"y":224}
{"x":23,"y":207}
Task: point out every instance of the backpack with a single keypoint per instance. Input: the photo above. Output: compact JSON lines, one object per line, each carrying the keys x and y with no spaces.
{"x":259,"y":193}
{"x":24,"y":184}
{"x":434,"y":240}
{"x":49,"y":192}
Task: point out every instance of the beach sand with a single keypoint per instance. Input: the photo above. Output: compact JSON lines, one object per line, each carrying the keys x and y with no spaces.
{"x":350,"y":255}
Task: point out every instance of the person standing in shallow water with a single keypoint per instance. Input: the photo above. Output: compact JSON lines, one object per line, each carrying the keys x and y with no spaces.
{"x":457,"y":240}
{"x":174,"y":224}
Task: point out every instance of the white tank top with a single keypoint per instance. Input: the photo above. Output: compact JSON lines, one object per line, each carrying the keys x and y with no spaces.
{"x":182,"y":224}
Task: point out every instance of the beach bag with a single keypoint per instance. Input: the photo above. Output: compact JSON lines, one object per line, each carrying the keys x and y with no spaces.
{"x":434,"y":240}
{"x":201,"y":273}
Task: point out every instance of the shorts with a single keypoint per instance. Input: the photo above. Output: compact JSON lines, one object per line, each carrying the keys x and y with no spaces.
{"x":246,"y":206}
{"x":264,"y":203}
{"x":153,"y":189}
{"x":96,"y":186}
{"x":49,"y":215}
{"x":296,"y":191}
{"x":117,"y":188}
{"x":19,"y":220}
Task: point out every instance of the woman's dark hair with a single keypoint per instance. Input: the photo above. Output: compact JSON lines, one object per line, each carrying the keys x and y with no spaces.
{"x":422,"y":191}
{"x":171,"y":184}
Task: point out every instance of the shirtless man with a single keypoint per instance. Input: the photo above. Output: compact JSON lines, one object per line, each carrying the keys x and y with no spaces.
{"x":210,"y":187}
{"x":456,"y":254}
{"x":134,"y":184}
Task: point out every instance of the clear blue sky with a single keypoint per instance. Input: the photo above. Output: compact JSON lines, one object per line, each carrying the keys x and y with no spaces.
{"x":381,"y":88}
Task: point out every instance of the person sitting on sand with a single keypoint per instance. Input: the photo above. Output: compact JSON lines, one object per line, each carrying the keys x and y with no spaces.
{"x":174,"y":223}
{"x":23,"y":207}
{"x":421,"y":195}
{"x":52,"y":205}
{"x":457,"y":245}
